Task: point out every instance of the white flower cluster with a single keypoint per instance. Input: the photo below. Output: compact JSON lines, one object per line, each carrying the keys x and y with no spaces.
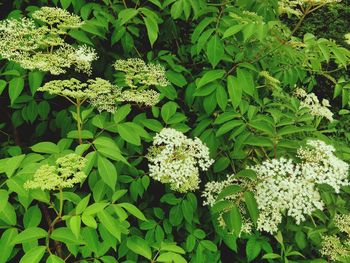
{"x":176,"y":160}
{"x":100,"y":93}
{"x":138,"y":73}
{"x":65,"y":174}
{"x":43,"y":47}
{"x":62,"y":19}
{"x":333,"y":247}
{"x":311,"y":102}
{"x":320,"y":165}
{"x":283,"y":189}
{"x":295,"y":7}
{"x":286,"y":187}
{"x":146,"y":97}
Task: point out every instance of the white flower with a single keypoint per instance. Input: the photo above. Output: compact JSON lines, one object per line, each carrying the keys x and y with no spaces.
{"x":321,"y":166}
{"x":283,"y":190}
{"x":137,"y":72}
{"x":64,"y":174}
{"x":294,"y":6}
{"x":311,"y":102}
{"x":176,"y":159}
{"x":44,"y":47}
{"x":284,"y":187}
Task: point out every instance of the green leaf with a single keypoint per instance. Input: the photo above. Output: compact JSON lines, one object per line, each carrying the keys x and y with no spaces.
{"x":80,"y":36}
{"x":233,"y":30}
{"x":89,"y":221}
{"x":94,"y":208}
{"x":252,"y":206}
{"x":221,"y":97}
{"x":234,"y":91}
{"x":176,"y":78}
{"x":4,"y":196}
{"x":228,"y":126}
{"x":6,"y":244}
{"x":91,"y":238}
{"x":340,"y":56}
{"x":300,"y":239}
{"x":187,"y":210}
{"x":215,"y":50}
{"x":16,"y":86}
{"x":8,"y":215}
{"x":32,"y":217}
{"x":245,"y":81}
{"x":30,"y":234}
{"x":152,"y":29}
{"x":233,"y":220}
{"x":210,"y":76}
{"x":172,"y":248}
{"x":74,"y":224}
{"x":210,"y":245}
{"x":111,"y":224}
{"x":126,"y":15}
{"x":3,"y":84}
{"x":252,"y":249}
{"x":133,"y":210}
{"x":81,"y":206}
{"x":65,"y":235}
{"x":13,"y":164}
{"x":168,"y":110}
{"x":65,"y":3}
{"x":128,"y":133}
{"x":176,"y":9}
{"x":290,"y":129}
{"x":35,"y":79}
{"x":45,"y":147}
{"x":121,"y":113}
{"x":271,"y":256}
{"x":139,"y":246}
{"x":34,"y":255}
{"x":171,"y":257}
{"x":107,"y":171}
{"x":54,"y":259}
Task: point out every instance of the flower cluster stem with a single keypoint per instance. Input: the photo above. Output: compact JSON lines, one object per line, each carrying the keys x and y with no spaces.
{"x":52,"y":227}
{"x":79,"y":121}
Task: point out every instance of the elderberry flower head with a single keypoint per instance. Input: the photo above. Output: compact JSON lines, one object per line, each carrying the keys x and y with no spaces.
{"x":320,"y":165}
{"x":292,"y":7}
{"x":315,"y":107}
{"x":333,"y":247}
{"x":66,"y":172}
{"x":283,"y":190}
{"x":100,"y":93}
{"x":286,"y":187}
{"x":44,"y":47}
{"x":138,"y":73}
{"x":54,"y":16}
{"x":175,"y":159}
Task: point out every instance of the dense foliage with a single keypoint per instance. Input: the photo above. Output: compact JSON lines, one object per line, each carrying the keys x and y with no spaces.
{"x":174,"y":131}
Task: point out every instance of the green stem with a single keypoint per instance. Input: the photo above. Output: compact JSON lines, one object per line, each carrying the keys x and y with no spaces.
{"x":60,"y":211}
{"x":297,"y":26}
{"x":52,"y":227}
{"x":79,"y":121}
